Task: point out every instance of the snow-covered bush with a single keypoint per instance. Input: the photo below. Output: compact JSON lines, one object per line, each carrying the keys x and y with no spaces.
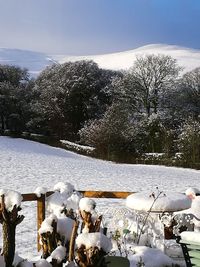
{"x":59,"y":254}
{"x":86,"y":150}
{"x":109,"y":135}
{"x":62,"y":206}
{"x":58,"y":232}
{"x":91,"y":249}
{"x":97,"y":239}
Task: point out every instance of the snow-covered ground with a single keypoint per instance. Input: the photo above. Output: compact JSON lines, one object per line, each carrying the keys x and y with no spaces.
{"x":25,"y":165}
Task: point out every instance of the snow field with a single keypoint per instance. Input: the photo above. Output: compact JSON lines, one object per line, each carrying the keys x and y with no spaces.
{"x":26,"y":165}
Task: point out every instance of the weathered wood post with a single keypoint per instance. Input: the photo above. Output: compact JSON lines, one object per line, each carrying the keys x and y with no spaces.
{"x":72,"y":241}
{"x":9,"y":220}
{"x":40,"y":215}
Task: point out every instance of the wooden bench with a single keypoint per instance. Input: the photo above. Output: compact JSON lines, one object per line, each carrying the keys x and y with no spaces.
{"x":191,"y":251}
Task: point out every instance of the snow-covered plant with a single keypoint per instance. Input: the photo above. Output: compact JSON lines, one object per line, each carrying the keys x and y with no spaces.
{"x":119,"y":243}
{"x":48,"y":235}
{"x":55,"y":234}
{"x":57,"y":228}
{"x":140,"y":263}
{"x":128,"y":229}
{"x":91,"y":249}
{"x":92,"y":245}
{"x":154,"y":196}
{"x":58,"y":256}
{"x":121,"y":229}
{"x":65,"y":200}
{"x":88,"y":150}
{"x":58,"y":231}
{"x":90,"y":219}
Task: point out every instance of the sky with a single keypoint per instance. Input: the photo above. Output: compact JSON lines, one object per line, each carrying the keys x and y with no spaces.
{"x":86,"y":27}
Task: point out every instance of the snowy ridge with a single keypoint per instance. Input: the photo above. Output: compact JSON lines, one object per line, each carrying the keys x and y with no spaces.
{"x":35,"y":62}
{"x":186,"y":57}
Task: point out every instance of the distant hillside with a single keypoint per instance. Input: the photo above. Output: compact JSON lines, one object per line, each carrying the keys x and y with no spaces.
{"x":186,"y":57}
{"x":36,"y":62}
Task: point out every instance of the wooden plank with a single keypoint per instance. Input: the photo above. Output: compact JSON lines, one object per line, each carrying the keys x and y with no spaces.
{"x":92,"y":194}
{"x":194,"y":254}
{"x":29,"y":197}
{"x":40,"y":214}
{"x":190,"y":244}
{"x":105,"y":194}
{"x":195,"y":262}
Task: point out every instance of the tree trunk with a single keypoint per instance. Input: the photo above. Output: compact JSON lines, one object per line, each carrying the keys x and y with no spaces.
{"x":2,"y":123}
{"x":155,"y":101}
{"x":9,"y":221}
{"x":8,"y":242}
{"x":148,"y":109}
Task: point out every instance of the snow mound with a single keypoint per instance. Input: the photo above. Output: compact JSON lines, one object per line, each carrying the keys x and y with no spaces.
{"x":11,"y":199}
{"x":42,"y":263}
{"x":94,"y":240}
{"x":64,"y":227}
{"x":64,"y":187}
{"x":40,"y":191}
{"x":46,"y":225}
{"x":87,"y":204}
{"x":149,"y":257}
{"x":64,"y":198}
{"x":165,"y":202}
{"x":59,"y":254}
{"x":191,"y":236}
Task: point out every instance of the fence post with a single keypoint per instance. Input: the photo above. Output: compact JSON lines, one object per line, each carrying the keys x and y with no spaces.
{"x":40,"y":216}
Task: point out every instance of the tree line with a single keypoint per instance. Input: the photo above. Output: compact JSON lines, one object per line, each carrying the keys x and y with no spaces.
{"x":150,"y":108}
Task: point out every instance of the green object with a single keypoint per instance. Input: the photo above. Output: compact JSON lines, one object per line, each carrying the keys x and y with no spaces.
{"x":116,"y":261}
{"x":191,"y":252}
{"x":126,"y":231}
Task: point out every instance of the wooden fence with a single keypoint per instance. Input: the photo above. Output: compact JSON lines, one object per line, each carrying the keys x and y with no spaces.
{"x":91,"y":194}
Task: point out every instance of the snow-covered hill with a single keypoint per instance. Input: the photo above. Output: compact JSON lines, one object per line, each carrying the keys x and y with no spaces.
{"x":25,"y":165}
{"x":186,"y":57}
{"x":35,"y":61}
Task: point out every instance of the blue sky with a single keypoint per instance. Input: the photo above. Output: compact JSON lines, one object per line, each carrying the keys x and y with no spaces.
{"x":81,"y":27}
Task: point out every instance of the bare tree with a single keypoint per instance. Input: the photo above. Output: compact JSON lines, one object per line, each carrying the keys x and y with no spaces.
{"x":150,"y":74}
